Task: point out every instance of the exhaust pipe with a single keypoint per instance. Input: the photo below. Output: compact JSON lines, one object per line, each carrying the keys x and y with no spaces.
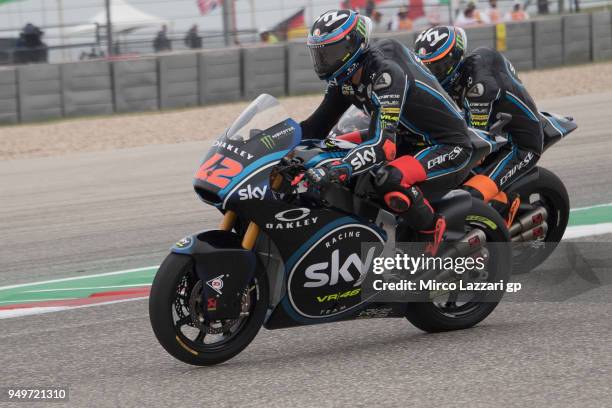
{"x":481,"y":253}
{"x":528,"y":221}
{"x":533,"y":234}
{"x":474,"y":238}
{"x":470,"y":245}
{"x":470,"y":242}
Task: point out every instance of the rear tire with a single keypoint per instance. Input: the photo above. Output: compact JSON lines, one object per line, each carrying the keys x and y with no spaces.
{"x":429,"y":317}
{"x":551,"y":192}
{"x":162,"y":300}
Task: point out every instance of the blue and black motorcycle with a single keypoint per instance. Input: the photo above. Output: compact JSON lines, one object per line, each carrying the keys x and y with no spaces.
{"x":280,"y":258}
{"x":543,"y":214}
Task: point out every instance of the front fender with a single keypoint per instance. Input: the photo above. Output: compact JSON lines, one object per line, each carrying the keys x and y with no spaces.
{"x":224,"y":267}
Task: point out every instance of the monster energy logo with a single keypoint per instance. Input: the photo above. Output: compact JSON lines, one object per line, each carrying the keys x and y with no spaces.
{"x":268,"y":141}
{"x":459,"y":40}
{"x":361,"y":28}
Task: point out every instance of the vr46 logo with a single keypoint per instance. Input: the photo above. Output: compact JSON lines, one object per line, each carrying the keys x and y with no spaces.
{"x":322,"y":273}
{"x":341,"y":295}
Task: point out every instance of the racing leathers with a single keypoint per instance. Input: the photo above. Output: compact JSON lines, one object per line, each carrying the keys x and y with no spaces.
{"x":484,"y":84}
{"x":417,"y":138}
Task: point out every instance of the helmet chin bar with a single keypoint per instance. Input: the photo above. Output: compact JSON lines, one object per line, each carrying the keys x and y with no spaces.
{"x":347,"y":70}
{"x":452,"y":76}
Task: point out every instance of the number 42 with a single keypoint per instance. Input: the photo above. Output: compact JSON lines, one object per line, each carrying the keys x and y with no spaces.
{"x":218,"y":170}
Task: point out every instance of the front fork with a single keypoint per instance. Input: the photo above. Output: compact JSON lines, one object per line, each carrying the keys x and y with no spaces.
{"x":251,"y":234}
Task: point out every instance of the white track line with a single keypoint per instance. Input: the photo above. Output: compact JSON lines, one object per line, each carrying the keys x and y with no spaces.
{"x":580,"y":231}
{"x":21,"y":285}
{"x":591,"y":207}
{"x":7,"y":314}
{"x":36,"y":300}
{"x":135,"y":285}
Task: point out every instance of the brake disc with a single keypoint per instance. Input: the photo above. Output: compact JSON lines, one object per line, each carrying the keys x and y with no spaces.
{"x":215,"y":326}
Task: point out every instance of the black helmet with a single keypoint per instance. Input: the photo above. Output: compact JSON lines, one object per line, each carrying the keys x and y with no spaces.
{"x":336,"y":41}
{"x":441,"y":48}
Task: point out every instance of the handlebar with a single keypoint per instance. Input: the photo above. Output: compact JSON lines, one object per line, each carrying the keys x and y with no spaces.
{"x":287,"y":175}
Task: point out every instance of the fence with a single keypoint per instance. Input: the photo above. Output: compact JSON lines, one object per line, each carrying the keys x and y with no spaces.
{"x":48,"y":91}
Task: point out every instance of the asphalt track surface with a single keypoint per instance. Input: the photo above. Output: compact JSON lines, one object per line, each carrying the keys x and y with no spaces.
{"x":100,"y":212}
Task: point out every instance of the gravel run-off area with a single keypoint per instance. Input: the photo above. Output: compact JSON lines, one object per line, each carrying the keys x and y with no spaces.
{"x":130,"y":130}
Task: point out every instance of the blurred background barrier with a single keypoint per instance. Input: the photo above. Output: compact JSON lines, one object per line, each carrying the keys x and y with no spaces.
{"x":480,"y":37}
{"x":519,"y":45}
{"x":601,"y":34}
{"x":576,"y":38}
{"x":9,"y":112}
{"x":548,"y":43}
{"x":40,"y":92}
{"x":136,"y":85}
{"x":178,"y":81}
{"x":264,"y":70}
{"x":405,"y":37}
{"x":87,"y":88}
{"x":182,"y":79}
{"x":301,"y":78}
{"x":220,"y":76}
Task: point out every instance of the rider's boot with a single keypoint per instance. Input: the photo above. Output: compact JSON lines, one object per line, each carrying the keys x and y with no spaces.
{"x":483,"y":188}
{"x":434,"y":237}
{"x":419,"y":215}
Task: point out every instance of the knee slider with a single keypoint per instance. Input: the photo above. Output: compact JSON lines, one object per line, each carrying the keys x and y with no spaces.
{"x":387,"y":179}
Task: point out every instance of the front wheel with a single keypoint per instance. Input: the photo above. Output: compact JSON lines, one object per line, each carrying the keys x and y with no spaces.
{"x":179,"y":325}
{"x":448,"y":311}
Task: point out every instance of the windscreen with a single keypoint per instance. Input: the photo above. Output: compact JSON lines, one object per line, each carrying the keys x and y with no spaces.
{"x":263,"y":113}
{"x":353,"y":119}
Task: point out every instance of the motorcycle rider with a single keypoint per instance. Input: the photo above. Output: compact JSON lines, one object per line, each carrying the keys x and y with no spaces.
{"x":484,"y":83}
{"x":417,"y":139}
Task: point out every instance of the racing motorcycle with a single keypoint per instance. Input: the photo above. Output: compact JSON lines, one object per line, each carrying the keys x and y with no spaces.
{"x":281,"y":259}
{"x":543,"y":214}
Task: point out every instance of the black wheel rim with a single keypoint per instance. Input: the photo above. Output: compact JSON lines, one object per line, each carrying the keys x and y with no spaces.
{"x":459,"y":304}
{"x":192,"y":328}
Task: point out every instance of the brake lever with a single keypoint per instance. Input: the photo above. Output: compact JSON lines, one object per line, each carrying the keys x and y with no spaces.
{"x":286,"y":176}
{"x":297,"y":179}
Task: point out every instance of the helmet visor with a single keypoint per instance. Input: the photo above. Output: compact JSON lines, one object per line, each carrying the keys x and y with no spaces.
{"x":444,"y":67}
{"x":328,"y":58}
{"x":440,"y":69}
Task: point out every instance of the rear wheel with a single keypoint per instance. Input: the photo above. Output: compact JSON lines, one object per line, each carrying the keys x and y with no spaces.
{"x":179,"y":325}
{"x":550,"y":193}
{"x":454,"y":310}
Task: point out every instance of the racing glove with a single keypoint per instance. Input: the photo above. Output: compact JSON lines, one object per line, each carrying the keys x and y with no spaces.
{"x":319,"y":178}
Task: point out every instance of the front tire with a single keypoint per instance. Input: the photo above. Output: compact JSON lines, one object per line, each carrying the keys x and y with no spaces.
{"x":171,"y":311}
{"x":432,"y":317}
